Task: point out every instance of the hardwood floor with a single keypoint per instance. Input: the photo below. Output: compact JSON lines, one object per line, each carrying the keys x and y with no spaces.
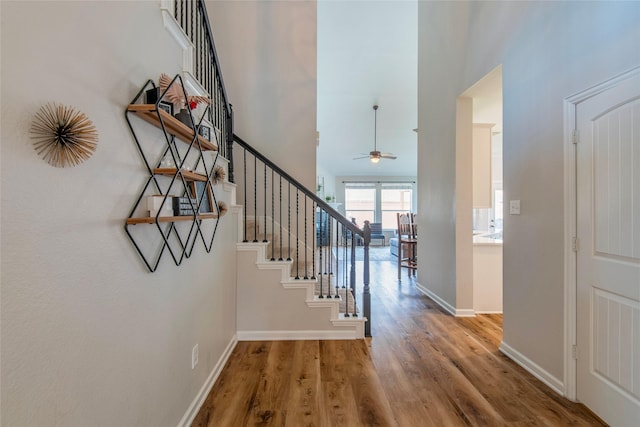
{"x":422,"y":367}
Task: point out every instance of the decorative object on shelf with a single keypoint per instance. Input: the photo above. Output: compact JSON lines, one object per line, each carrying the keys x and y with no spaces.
{"x":63,"y":136}
{"x":203,"y":194}
{"x":205,"y":132}
{"x":218,"y":175}
{"x":156,"y":208}
{"x":152,"y":95}
{"x":222,"y":208}
{"x":167,"y":161}
{"x":166,"y":106}
{"x":183,"y":206}
{"x":184,"y":116}
{"x":175,"y":93}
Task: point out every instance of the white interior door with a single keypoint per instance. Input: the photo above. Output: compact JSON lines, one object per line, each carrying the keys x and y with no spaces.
{"x":608,"y":260}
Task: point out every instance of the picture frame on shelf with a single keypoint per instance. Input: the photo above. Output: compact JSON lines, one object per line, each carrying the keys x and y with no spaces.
{"x":166,"y":106}
{"x":205,"y":132}
{"x":151,"y":96}
{"x":203,"y":194}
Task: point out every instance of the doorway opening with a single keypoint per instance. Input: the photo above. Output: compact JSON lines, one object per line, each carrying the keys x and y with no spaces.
{"x":479,"y":201}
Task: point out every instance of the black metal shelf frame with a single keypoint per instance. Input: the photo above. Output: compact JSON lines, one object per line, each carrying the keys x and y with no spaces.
{"x":178,"y":245}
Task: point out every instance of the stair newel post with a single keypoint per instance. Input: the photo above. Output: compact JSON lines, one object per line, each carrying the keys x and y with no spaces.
{"x":366,"y":296}
{"x":352,"y":274}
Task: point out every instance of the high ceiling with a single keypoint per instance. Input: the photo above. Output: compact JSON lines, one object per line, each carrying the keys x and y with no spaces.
{"x":367,"y":54}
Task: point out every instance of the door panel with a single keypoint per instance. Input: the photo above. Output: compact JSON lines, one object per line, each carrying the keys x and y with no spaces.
{"x":608,"y":274}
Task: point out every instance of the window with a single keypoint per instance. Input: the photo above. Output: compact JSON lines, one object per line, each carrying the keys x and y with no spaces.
{"x":394,"y":198}
{"x":360,"y":202}
{"x":378,"y":201}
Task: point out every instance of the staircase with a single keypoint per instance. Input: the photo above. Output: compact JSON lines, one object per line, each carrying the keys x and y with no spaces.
{"x":284,"y":297}
{"x":291,"y":284}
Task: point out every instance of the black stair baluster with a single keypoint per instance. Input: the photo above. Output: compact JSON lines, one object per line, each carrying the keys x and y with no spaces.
{"x":280,"y":212}
{"x":244,"y":164}
{"x":329,"y":247}
{"x":264,"y":240}
{"x":339,"y":230}
{"x":339,"y":233}
{"x":306,"y":242}
{"x":297,"y":235}
{"x":315,"y":241}
{"x":273,"y":216}
{"x":345,"y":263}
{"x":320,"y":244}
{"x":255,"y":199}
{"x":289,"y":223}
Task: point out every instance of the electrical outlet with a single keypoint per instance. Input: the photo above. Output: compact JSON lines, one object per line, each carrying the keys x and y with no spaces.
{"x":194,"y":356}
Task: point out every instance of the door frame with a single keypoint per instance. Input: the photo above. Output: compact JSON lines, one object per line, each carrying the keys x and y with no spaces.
{"x":570,"y":225}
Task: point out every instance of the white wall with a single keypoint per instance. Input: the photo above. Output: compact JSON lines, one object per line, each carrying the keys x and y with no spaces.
{"x":89,"y":337}
{"x":549,"y":50}
{"x":268,"y":51}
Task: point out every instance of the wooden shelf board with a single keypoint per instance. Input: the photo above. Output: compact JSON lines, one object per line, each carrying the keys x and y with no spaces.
{"x":152,"y":220}
{"x":174,"y":126}
{"x":188,"y":175}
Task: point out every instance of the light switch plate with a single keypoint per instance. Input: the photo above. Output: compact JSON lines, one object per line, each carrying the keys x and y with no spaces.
{"x":514,"y":207}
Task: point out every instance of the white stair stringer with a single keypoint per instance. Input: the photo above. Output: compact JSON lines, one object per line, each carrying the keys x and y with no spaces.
{"x":272,"y":305}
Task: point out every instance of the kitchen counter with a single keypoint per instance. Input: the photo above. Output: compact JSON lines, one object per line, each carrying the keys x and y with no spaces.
{"x":488,"y":239}
{"x":487,"y":273}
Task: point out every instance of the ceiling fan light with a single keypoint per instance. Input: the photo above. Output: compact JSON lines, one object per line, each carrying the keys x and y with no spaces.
{"x":375,"y":159}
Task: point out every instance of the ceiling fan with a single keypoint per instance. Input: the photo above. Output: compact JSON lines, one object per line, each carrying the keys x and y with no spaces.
{"x":376,"y":155}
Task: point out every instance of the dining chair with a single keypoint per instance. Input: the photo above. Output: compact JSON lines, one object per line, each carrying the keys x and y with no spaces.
{"x":407,"y":243}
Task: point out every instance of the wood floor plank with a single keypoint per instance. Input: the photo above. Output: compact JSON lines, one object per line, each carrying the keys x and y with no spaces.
{"x":339,"y":401}
{"x":272,"y":393}
{"x":372,"y":404}
{"x":305,"y":406}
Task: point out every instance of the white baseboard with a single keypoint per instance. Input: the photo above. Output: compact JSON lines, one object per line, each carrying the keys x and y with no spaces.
{"x":488,"y":311}
{"x":297,"y":335}
{"x":445,"y":305}
{"x":533,"y":368}
{"x":191,"y":413}
{"x":442,"y":303}
{"x":467,"y":312}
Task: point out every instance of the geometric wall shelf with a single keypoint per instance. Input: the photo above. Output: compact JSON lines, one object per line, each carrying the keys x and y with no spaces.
{"x":180,"y":178}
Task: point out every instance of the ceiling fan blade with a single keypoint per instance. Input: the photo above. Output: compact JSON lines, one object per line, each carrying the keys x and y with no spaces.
{"x":363,"y":157}
{"x":388,"y":156}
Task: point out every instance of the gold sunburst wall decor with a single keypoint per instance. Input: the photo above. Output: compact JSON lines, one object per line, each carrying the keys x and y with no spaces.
{"x":63,"y":136}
